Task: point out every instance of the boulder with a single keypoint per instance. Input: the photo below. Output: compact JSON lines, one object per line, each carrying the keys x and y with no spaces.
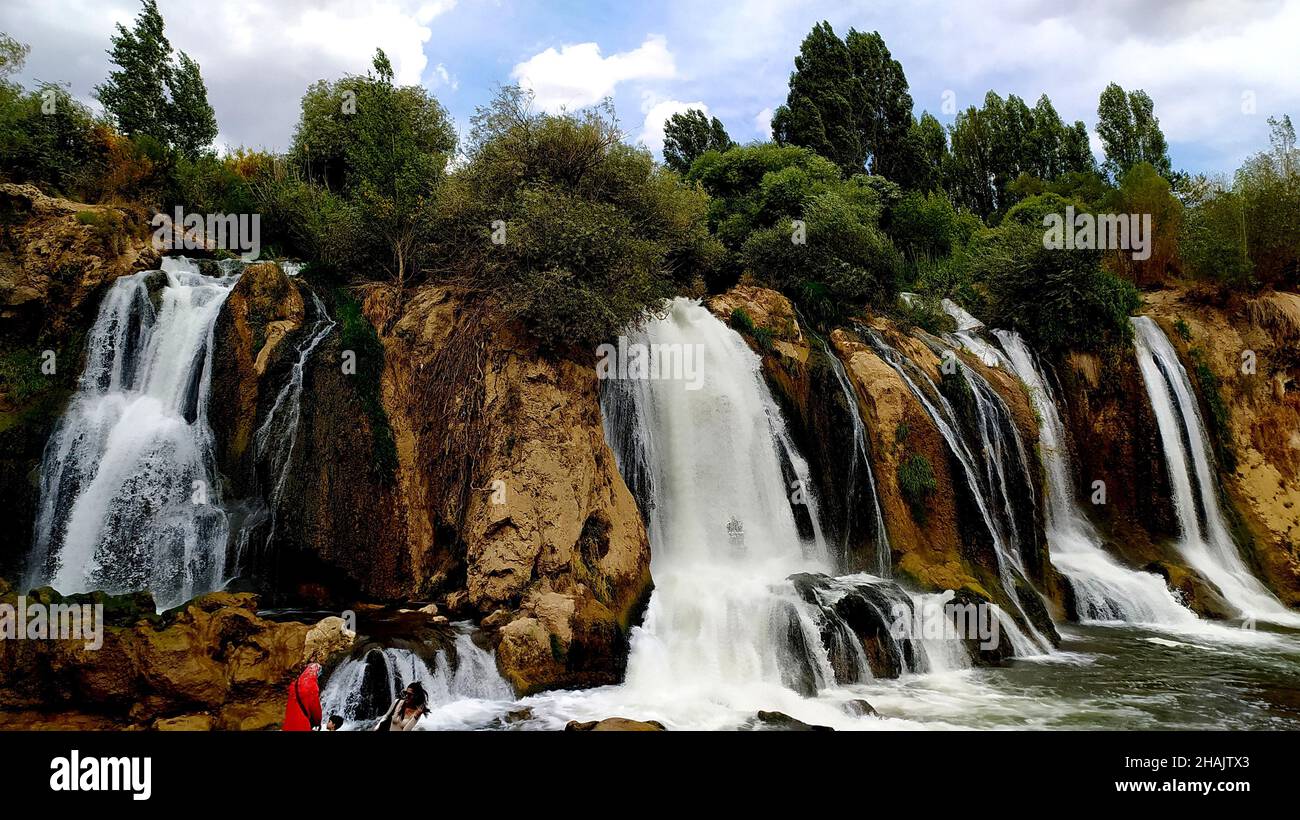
{"x":615,"y":724}
{"x":781,"y":722}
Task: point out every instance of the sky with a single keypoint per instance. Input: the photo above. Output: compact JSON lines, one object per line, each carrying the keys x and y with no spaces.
{"x":1217,"y":69}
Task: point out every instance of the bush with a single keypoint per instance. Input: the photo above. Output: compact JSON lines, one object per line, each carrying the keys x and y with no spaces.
{"x":925,"y":311}
{"x":593,"y":231}
{"x":59,"y":150}
{"x":1057,"y":299}
{"x":917,"y":483}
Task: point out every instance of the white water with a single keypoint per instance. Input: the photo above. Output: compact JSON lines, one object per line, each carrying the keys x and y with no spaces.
{"x":716,"y":619}
{"x":274,"y":440}
{"x":1205,"y":542}
{"x":861,"y":460}
{"x":944,"y":416}
{"x":1104,"y":590}
{"x":129,"y":498}
{"x":464,"y":692}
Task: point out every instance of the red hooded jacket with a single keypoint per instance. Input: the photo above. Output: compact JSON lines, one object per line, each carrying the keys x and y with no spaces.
{"x":302,"y":712}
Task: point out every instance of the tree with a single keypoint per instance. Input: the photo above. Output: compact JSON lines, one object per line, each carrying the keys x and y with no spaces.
{"x":882,"y":103}
{"x":1130,"y":132}
{"x":689,"y":134}
{"x":1076,"y":150}
{"x":191,"y":120}
{"x":379,"y":151}
{"x":133,"y":94}
{"x":849,"y":102}
{"x":594,"y":231}
{"x":150,"y":95}
{"x":818,"y":113}
{"x":1143,"y":191}
{"x":13,"y":55}
{"x":925,"y":156}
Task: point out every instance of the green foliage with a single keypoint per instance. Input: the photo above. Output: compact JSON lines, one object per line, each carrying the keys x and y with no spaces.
{"x":20,"y":374}
{"x":358,"y":335}
{"x":844,"y":259}
{"x":690,"y":134}
{"x":1143,"y":191}
{"x":1130,"y":132}
{"x":849,"y":102}
{"x":150,"y":94}
{"x":1182,"y":329}
{"x":1220,"y":418}
{"x":366,"y":161}
{"x":47,"y":137}
{"x":917,"y":483}
{"x":13,"y":55}
{"x":993,"y":146}
{"x":743,"y":324}
{"x":1057,"y":299}
{"x":1244,"y":233}
{"x":592,"y":232}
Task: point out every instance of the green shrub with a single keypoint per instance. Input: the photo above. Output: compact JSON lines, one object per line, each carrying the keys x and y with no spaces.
{"x":358,"y":335}
{"x":925,"y":311}
{"x":917,"y":483}
{"x":1219,"y":416}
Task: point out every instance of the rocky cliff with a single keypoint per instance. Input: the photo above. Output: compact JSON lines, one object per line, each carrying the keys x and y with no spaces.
{"x":57,"y":258}
{"x":443,"y":457}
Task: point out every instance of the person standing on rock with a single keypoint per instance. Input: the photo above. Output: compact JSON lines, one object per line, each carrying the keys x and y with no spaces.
{"x":302,"y":712}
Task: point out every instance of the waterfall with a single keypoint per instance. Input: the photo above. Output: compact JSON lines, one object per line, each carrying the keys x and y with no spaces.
{"x":722,"y":613}
{"x":463,"y":686}
{"x":861,"y":459}
{"x":993,"y":421}
{"x":1104,"y":590}
{"x":274,"y":440}
{"x":1205,"y":542}
{"x":129,"y":498}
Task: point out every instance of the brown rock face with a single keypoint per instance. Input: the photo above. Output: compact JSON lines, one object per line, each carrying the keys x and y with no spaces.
{"x":1116,"y":441}
{"x":615,"y":724}
{"x":209,"y":664}
{"x":930,"y":548}
{"x":503,"y":494}
{"x":1247,"y":351}
{"x":262,"y":310}
{"x":56,"y":256}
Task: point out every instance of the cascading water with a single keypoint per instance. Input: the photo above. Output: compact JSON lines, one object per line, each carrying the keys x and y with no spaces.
{"x":984,"y":485}
{"x":861,"y":459}
{"x":275,"y":438}
{"x":735,"y":624}
{"x":1104,"y":590}
{"x":1205,"y":541}
{"x":128,"y":496}
{"x":721,"y":612}
{"x":465,"y":689}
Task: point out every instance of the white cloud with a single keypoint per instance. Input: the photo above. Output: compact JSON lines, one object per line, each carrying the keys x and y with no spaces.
{"x":446,"y":77}
{"x":656,"y":112}
{"x":577,"y":75}
{"x":257,"y":58}
{"x":763,"y":123}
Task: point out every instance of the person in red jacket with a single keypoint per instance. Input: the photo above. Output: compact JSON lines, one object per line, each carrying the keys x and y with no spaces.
{"x":302,"y":712}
